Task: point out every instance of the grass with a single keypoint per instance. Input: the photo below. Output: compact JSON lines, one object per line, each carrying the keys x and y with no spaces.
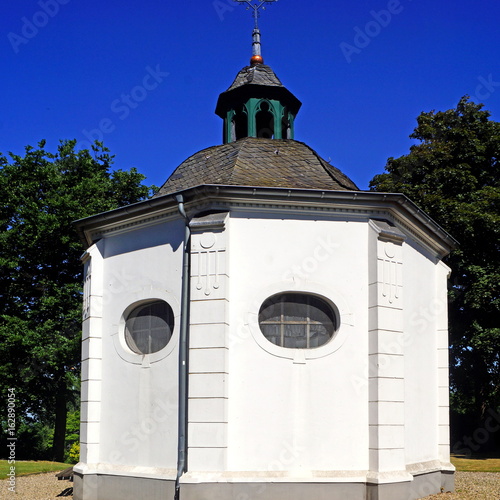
{"x":476,"y":463}
{"x":23,"y":468}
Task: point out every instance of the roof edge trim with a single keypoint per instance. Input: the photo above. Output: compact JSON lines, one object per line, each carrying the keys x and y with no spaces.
{"x":167,"y":201}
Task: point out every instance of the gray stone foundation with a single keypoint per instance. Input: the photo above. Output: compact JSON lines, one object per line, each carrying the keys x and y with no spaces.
{"x":273,"y":491}
{"x":111,"y":487}
{"x":422,"y":485}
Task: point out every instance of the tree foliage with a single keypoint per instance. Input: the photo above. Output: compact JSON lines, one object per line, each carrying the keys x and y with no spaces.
{"x":42,"y":194}
{"x":453,"y":173}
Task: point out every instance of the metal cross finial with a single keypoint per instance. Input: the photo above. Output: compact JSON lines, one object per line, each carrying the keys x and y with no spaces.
{"x":256,"y":7}
{"x":256,"y":52}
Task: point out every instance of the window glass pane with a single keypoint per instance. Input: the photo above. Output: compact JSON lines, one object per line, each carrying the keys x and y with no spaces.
{"x":271,"y":311}
{"x":320,"y":312}
{"x":295,"y":308}
{"x":306,"y":320}
{"x":142,"y":341}
{"x":295,"y":336}
{"x":319,"y":335}
{"x":157,"y":341}
{"x":158,"y":322}
{"x":149,"y":327}
{"x":139,"y":323}
{"x":272,"y":333}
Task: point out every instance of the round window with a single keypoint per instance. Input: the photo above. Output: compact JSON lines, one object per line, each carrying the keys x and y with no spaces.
{"x":297,"y":321}
{"x":148,"y":327}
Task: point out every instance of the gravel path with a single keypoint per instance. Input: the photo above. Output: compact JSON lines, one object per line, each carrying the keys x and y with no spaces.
{"x":468,"y":486}
{"x":473,"y":486}
{"x":36,"y":487}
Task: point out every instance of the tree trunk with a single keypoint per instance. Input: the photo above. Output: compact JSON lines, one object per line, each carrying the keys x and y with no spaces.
{"x":60,"y":423}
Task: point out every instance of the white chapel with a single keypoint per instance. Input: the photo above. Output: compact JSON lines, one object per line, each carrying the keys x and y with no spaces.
{"x":261,"y":329}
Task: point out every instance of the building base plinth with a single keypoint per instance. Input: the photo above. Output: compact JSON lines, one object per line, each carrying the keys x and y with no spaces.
{"x":422,"y":485}
{"x":113,"y":487}
{"x":272,"y":491}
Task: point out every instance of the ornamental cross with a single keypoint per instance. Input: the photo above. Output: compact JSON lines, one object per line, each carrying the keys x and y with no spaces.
{"x":255,"y":7}
{"x":256,"y":50}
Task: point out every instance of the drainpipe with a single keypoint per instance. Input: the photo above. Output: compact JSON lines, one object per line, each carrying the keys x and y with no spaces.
{"x":183,"y":354}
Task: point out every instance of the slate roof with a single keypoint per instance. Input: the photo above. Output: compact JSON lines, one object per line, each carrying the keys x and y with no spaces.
{"x":257,"y":81}
{"x":261,"y":74}
{"x":258,"y":162}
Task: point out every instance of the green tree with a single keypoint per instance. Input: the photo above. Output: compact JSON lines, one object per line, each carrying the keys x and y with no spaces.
{"x":42,"y":193}
{"x":453,"y":174}
{"x":72,"y":441}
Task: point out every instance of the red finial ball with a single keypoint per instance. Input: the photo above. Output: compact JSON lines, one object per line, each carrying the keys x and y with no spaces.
{"x":254,"y":60}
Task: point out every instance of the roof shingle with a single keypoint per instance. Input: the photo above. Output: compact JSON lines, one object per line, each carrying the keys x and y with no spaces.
{"x":261,"y":74}
{"x":257,"y":162}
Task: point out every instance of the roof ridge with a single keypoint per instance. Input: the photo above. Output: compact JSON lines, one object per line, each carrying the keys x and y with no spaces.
{"x":234,"y":152}
{"x":335,"y":173}
{"x":262,"y":74}
{"x":236,"y":165}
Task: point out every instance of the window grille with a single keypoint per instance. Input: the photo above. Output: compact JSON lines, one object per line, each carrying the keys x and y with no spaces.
{"x":297,"y":321}
{"x":149,"y":327}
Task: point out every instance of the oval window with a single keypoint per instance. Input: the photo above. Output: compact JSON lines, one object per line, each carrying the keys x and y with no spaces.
{"x":149,"y":327}
{"x":297,"y":321}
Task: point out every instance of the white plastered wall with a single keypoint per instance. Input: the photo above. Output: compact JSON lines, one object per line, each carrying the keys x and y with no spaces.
{"x":425,"y":305}
{"x":297,"y":410}
{"x":138,"y":428}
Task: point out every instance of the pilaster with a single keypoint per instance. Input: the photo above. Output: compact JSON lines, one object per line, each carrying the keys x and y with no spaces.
{"x":386,"y":355}
{"x":442,"y":274}
{"x":208,"y":349}
{"x":91,"y":375}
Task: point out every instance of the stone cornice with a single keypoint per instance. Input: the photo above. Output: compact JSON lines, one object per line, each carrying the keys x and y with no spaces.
{"x":394,"y":207}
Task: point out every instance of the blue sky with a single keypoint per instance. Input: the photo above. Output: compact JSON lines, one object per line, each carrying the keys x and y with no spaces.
{"x":145,"y":76}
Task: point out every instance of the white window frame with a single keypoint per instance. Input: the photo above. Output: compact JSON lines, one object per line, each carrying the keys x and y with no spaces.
{"x":118,"y":329}
{"x":306,"y":321}
{"x":129,"y":334}
{"x":344,"y":327}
